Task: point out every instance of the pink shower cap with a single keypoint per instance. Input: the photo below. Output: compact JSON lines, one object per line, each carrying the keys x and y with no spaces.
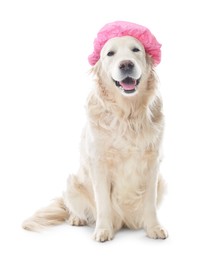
{"x":121,"y":28}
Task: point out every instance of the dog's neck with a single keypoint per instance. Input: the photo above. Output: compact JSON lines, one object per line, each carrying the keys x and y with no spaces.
{"x":113,"y":101}
{"x":108,"y":111}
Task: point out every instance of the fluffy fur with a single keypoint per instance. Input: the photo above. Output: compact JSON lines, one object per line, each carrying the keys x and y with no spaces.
{"x":118,"y":182}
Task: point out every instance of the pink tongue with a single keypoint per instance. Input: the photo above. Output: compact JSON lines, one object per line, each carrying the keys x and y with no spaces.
{"x":128,"y":86}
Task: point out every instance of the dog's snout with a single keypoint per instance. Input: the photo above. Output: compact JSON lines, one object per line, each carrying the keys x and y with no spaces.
{"x":126,"y":65}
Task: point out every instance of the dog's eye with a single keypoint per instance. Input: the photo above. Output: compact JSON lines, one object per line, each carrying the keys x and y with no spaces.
{"x":110,"y":53}
{"x":135,"y":49}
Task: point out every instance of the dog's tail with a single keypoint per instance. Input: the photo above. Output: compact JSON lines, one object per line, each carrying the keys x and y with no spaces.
{"x":56,"y":213}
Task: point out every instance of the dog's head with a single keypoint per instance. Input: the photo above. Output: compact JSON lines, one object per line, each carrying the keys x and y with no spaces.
{"x":123,"y":65}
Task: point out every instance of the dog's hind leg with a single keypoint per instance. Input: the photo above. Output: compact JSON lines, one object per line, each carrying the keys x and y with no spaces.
{"x":75,"y":207}
{"x":79,"y":202}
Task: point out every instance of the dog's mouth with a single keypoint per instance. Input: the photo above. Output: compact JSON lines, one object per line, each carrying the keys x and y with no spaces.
{"x":128,"y":85}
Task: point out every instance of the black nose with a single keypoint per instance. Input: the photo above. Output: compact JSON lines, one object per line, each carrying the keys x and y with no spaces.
{"x":126,"y":65}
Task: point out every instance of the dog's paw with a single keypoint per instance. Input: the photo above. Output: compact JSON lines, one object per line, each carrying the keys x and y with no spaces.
{"x":157,"y":232}
{"x":102,"y":234}
{"x":76,"y":221}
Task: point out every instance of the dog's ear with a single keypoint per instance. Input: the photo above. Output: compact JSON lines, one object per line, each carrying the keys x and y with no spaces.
{"x":95,"y":70}
{"x":152,"y":76}
{"x":149,"y":61}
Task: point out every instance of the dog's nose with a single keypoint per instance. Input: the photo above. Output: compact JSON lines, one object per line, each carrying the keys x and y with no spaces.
{"x":126,"y":65}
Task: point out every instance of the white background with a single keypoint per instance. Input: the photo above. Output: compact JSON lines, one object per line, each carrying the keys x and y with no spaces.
{"x":44,"y":82}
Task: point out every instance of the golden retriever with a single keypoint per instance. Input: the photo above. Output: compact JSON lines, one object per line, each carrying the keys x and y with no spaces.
{"x":118,"y":182}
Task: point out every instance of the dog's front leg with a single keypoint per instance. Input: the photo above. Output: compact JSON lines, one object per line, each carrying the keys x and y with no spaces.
{"x":151,"y":223}
{"x":102,"y":188}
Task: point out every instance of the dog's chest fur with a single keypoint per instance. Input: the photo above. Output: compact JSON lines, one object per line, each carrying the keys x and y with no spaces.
{"x":124,"y":142}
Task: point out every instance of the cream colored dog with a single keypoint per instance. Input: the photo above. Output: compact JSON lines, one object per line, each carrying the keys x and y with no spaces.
{"x":118,"y":182}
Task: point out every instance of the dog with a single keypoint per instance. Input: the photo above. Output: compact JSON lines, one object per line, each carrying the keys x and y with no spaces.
{"x":118,"y":183}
